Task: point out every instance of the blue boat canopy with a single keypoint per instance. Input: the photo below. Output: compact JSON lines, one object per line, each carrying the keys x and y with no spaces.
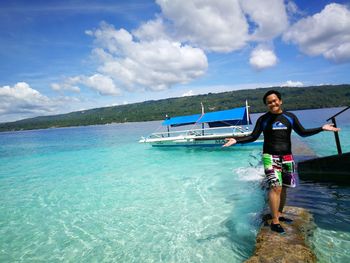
{"x":236,"y":116}
{"x":181,"y":120}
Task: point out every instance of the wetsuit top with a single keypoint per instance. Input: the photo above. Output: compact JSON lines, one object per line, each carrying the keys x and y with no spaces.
{"x":277,"y":129}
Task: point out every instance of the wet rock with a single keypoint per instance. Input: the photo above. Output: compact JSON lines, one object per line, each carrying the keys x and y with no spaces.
{"x":290,"y":247}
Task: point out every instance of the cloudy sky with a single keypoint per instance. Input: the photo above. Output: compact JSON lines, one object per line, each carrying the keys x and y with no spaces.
{"x":60,"y":56}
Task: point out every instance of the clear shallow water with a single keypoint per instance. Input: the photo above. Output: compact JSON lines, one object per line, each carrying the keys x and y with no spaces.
{"x":94,"y":194}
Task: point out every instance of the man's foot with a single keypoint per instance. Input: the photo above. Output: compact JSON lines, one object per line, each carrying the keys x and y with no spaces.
{"x":281,"y":218}
{"x":277,"y":228}
{"x":285,"y":219}
{"x":266,"y":217}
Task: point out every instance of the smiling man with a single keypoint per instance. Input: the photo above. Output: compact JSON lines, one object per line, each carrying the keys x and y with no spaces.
{"x":278,"y":161}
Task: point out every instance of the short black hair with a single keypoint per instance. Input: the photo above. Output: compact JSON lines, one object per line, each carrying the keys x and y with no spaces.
{"x":271,"y":92}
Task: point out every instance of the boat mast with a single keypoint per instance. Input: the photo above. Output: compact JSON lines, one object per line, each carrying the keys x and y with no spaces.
{"x":247,"y":110}
{"x":201,"y":117}
{"x":167,"y":117}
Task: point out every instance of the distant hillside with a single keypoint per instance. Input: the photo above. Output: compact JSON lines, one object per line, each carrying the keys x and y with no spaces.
{"x":294,"y":98}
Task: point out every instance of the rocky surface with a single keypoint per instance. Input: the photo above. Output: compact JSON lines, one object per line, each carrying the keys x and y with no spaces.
{"x":290,"y":247}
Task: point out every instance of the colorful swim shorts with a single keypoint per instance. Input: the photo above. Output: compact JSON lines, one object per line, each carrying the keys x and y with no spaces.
{"x":279,"y":170}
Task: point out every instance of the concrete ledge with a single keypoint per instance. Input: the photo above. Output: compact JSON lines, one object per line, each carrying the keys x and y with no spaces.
{"x":288,"y":248}
{"x":334,"y":169}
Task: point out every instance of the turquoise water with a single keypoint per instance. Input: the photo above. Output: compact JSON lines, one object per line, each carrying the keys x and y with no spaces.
{"x":93,"y":194}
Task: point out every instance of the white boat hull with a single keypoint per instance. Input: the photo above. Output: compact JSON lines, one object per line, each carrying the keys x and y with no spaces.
{"x":195,"y":140}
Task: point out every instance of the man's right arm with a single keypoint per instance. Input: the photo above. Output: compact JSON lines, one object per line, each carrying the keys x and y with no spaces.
{"x":255,"y":133}
{"x":248,"y":138}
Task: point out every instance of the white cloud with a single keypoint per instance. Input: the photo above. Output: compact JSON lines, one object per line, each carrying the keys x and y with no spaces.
{"x":188,"y":93}
{"x":213,"y":25}
{"x":154,"y":56}
{"x":169,"y":50}
{"x":69,"y":84}
{"x":222,"y":26}
{"x":269,"y":16}
{"x":152,"y":30}
{"x":339,"y":53}
{"x":262,"y":58}
{"x":154,"y":65}
{"x":21,"y":101}
{"x":326,"y":33}
{"x":103,"y":84}
{"x":292,"y":8}
{"x":290,"y":83}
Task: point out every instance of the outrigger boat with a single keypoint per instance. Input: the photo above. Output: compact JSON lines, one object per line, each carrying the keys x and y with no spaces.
{"x":215,"y":127}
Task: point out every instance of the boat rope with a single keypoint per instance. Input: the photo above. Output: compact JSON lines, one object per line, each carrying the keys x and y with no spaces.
{"x":194,"y":124}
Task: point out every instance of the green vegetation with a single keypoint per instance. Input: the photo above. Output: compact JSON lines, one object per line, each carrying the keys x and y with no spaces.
{"x":294,"y":98}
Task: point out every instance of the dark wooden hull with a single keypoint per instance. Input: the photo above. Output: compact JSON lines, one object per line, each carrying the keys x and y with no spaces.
{"x":335,"y":169}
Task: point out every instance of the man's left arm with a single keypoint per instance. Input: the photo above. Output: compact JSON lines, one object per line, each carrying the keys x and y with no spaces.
{"x":300,"y":130}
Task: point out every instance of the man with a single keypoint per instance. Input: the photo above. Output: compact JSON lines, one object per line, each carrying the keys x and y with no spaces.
{"x":277,"y":126}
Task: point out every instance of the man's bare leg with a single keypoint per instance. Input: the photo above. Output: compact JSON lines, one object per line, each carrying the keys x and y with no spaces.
{"x":282,"y":200}
{"x":274,"y":203}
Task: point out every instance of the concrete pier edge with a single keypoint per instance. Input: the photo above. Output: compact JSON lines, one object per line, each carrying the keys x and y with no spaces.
{"x":290,"y":247}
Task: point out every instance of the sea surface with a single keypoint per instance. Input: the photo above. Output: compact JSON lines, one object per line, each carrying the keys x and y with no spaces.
{"x":94,"y":194}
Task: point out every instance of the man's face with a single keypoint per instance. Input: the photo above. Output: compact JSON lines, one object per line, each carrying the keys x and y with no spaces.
{"x":273,"y":104}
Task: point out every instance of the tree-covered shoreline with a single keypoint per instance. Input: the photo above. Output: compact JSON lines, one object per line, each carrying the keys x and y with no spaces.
{"x":294,"y":98}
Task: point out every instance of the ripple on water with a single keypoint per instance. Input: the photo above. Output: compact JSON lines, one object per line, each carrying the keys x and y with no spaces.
{"x":330,"y":206}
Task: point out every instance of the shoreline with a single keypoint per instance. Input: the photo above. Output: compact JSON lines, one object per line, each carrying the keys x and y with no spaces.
{"x":130,"y":122}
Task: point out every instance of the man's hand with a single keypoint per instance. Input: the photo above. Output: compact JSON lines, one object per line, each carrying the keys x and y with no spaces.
{"x":330,"y":127}
{"x":229,"y":142}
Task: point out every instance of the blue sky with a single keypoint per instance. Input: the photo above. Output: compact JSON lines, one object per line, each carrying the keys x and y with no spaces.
{"x":68,"y":55}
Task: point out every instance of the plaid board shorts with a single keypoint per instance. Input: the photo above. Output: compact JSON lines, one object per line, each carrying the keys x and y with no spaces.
{"x":279,"y":170}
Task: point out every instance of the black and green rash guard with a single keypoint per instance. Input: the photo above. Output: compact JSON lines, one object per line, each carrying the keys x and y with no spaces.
{"x":277,"y":129}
